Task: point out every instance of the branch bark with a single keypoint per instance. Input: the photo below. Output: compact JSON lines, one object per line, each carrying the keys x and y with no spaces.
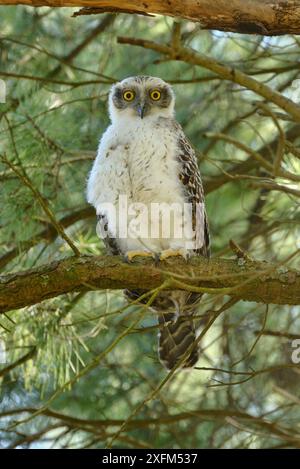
{"x":267,"y":17}
{"x":248,"y":280}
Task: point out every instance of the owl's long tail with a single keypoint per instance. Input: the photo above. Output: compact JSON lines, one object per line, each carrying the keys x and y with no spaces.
{"x":177,"y":336}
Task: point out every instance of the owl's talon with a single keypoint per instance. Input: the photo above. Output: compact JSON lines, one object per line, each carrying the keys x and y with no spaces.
{"x":130,"y":255}
{"x":174,"y":253}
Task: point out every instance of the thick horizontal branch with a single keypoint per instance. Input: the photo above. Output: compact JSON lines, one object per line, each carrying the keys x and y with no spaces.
{"x":247,"y":280}
{"x":267,"y":17}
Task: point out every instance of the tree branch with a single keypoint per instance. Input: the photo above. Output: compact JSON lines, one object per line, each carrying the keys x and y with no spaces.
{"x":29,"y":355}
{"x":248,"y":280}
{"x":227,"y":72}
{"x":203,"y":414}
{"x":249,"y":164}
{"x":267,"y":17}
{"x":43,"y":203}
{"x":48,"y":235}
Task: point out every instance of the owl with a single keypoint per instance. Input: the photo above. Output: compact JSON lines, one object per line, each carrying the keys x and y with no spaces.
{"x":146,"y":188}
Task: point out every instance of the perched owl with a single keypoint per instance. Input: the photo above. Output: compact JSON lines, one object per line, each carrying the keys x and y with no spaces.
{"x":146,"y":176}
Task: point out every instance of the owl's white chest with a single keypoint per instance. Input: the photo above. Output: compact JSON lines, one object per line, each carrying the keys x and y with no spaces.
{"x":137,"y":162}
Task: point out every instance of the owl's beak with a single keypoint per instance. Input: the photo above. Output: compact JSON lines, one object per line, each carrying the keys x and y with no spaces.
{"x":141,"y":110}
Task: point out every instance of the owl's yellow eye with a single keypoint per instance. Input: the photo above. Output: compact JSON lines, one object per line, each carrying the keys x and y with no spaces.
{"x":155,"y":95}
{"x":128,"y":95}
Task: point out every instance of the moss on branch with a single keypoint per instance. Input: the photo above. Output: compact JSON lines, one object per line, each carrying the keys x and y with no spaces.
{"x":243,"y":279}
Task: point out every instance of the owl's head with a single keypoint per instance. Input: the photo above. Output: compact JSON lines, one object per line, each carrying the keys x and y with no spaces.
{"x":141,"y":97}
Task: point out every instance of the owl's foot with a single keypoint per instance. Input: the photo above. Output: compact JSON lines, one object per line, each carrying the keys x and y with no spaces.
{"x":173,"y":253}
{"x":130,"y":255}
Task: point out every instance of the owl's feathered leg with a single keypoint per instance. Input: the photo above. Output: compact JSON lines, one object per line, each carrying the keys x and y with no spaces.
{"x":177,"y":338}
